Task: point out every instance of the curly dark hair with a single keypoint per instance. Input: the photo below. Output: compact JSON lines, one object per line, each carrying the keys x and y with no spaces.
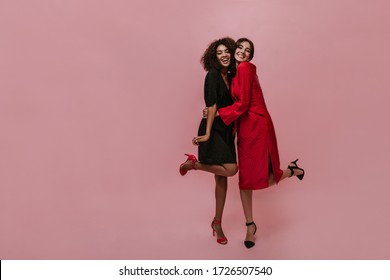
{"x":239,"y":41}
{"x":209,"y":59}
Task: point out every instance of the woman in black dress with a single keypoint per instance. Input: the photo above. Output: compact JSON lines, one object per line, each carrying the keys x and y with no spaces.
{"x":216,"y":150}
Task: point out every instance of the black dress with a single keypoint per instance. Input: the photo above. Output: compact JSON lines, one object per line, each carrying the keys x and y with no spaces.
{"x":220,"y":147}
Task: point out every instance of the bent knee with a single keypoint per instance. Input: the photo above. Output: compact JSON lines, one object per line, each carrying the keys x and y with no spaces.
{"x":232,"y":171}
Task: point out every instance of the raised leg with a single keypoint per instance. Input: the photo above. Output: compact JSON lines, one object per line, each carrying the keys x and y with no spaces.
{"x":226,"y":170}
{"x":287,"y":173}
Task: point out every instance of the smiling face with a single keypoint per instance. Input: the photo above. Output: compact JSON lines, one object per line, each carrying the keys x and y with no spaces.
{"x":223,"y":56}
{"x":243,"y":52}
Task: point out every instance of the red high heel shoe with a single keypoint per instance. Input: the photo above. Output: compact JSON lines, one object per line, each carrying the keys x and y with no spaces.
{"x":221,"y":240}
{"x":193,"y":159}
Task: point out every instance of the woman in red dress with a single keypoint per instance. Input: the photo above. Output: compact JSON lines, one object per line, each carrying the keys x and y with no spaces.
{"x":258,"y":157}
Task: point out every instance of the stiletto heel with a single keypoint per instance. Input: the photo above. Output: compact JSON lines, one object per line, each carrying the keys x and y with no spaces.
{"x":247,"y":243}
{"x":193,"y":160}
{"x":300,"y":177}
{"x":222,"y":240}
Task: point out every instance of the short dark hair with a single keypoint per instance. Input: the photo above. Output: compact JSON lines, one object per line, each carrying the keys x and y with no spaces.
{"x":239,"y":41}
{"x":209,"y":59}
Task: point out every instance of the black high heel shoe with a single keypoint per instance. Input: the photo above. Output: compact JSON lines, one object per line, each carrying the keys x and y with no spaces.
{"x":300,"y":177}
{"x":247,"y":243}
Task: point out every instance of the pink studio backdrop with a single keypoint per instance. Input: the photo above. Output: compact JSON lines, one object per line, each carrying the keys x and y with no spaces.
{"x":99,"y":101}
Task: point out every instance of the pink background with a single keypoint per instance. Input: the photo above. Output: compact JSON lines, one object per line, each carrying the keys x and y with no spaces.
{"x":99,"y":101}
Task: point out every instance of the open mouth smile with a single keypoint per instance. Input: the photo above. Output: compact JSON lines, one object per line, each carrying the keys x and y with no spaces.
{"x":225,"y":60}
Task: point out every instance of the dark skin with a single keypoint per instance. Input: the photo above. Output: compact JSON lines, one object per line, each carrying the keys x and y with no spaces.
{"x":243,"y":53}
{"x":222,"y":171}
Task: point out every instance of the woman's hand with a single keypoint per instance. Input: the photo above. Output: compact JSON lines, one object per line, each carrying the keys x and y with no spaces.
{"x":203,"y":138}
{"x":210,"y":115}
{"x":206,"y":112}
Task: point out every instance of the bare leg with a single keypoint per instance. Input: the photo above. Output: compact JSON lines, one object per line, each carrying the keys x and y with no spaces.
{"x":286,"y":174}
{"x":271,"y":179}
{"x":220,"y":198}
{"x":225,"y":170}
{"x":246,"y":200}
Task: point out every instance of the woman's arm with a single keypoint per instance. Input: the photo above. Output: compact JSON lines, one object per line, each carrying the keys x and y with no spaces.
{"x":242,"y":92}
{"x":205,"y":112}
{"x":212,"y":110}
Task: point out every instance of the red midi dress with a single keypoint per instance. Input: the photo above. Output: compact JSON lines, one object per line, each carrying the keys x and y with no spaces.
{"x":256,"y":140}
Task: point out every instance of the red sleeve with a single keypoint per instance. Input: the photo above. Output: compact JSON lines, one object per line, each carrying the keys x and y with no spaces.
{"x":241,"y":92}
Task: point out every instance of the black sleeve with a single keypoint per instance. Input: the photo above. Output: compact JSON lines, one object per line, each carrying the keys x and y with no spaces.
{"x":211,"y":88}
